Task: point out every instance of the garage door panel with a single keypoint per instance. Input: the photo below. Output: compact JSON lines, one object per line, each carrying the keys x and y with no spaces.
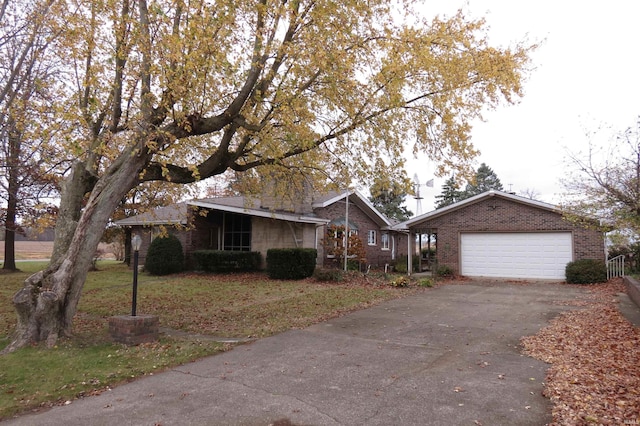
{"x":516,"y":255}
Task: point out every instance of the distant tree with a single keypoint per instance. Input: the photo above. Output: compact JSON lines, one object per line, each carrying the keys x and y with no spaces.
{"x":388,"y":198}
{"x":27,"y":158}
{"x":530,"y":193}
{"x":604,"y":183}
{"x":484,"y":180}
{"x":450,"y":193}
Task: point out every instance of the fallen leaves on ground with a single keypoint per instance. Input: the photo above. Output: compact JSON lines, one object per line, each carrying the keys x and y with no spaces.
{"x":594,"y":354}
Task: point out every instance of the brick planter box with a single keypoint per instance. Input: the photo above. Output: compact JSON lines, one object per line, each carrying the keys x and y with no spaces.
{"x":132,"y":330}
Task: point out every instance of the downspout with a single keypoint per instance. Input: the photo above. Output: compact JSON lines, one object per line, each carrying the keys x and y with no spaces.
{"x":409,"y":255}
{"x":320,"y":257}
{"x":346,"y":231}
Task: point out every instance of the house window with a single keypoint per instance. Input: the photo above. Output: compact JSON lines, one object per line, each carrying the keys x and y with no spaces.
{"x":237,"y":232}
{"x":340,"y":239}
{"x":372,"y":238}
{"x":335,"y":238}
{"x":384,"y":239}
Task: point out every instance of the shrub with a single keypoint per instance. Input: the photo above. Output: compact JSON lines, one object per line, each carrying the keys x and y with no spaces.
{"x":444,"y":271}
{"x":586,"y":271}
{"x":400,"y":282}
{"x":335,"y":275}
{"x":165,"y":256}
{"x":291,"y":264}
{"x":425,"y":282}
{"x":221,"y":261}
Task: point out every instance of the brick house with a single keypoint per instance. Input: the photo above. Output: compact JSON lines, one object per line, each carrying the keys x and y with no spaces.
{"x":258,"y":224}
{"x":497,"y":234}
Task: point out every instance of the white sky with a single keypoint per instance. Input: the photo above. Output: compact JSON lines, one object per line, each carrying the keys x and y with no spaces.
{"x":586,"y":75}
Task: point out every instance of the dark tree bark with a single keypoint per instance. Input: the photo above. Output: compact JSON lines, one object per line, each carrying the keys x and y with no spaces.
{"x":48,"y":301}
{"x":13,"y":187}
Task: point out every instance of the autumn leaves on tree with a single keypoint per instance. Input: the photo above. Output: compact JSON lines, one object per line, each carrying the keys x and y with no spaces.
{"x":180,"y":92}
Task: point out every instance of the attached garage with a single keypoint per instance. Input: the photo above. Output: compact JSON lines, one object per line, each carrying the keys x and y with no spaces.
{"x":540,"y":255}
{"x":502,"y":235}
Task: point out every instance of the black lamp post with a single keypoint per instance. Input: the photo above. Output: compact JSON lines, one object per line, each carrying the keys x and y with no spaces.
{"x":136,"y":241}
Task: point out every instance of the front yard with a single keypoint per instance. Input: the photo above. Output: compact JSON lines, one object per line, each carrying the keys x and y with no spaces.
{"x":235,"y":306}
{"x":593,"y":352}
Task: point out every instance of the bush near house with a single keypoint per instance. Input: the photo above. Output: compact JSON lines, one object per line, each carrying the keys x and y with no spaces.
{"x":444,"y":271}
{"x":335,"y":275}
{"x":165,"y":256}
{"x":227,"y":261}
{"x":586,"y":271}
{"x":291,"y":264}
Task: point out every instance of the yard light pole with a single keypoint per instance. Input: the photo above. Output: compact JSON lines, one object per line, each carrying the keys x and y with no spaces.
{"x":136,"y":241}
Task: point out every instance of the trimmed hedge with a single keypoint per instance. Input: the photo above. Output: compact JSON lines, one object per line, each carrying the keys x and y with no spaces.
{"x":227,"y":261}
{"x":291,"y":263}
{"x":586,"y":271}
{"x":165,"y":256}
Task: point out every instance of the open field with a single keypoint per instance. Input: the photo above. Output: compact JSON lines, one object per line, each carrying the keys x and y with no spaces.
{"x":38,"y":250}
{"x":30,"y":250}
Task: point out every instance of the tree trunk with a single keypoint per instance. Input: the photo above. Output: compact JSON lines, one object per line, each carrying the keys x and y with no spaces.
{"x":75,"y":187}
{"x":13,"y":187}
{"x":48,"y":301}
{"x":10,"y":235}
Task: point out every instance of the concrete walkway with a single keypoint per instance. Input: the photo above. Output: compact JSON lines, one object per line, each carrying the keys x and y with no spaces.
{"x":448,"y":356}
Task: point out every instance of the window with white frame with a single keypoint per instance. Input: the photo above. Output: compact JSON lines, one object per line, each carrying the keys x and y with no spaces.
{"x":384,"y":240}
{"x":336,"y":234}
{"x":372,"y":238}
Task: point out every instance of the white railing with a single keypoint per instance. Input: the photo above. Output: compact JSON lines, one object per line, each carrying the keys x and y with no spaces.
{"x":615,"y":267}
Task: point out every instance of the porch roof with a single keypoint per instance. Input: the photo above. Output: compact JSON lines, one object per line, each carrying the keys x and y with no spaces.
{"x":248,"y":206}
{"x":174,"y":214}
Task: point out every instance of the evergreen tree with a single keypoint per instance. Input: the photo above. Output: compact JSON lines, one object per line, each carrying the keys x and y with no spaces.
{"x":450,"y":193}
{"x":484,"y":180}
{"x":388,"y":198}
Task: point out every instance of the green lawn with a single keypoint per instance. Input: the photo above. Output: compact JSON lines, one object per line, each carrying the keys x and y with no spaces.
{"x":241,"y":305}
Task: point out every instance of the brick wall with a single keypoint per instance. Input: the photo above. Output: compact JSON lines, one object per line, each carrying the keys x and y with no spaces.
{"x":496,"y":214}
{"x":376,"y":256}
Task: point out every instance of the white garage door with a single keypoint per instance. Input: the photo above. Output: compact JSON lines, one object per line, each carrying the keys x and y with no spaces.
{"x":542,"y":255}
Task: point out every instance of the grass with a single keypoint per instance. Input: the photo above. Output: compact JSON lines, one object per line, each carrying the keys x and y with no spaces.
{"x":241,"y":305}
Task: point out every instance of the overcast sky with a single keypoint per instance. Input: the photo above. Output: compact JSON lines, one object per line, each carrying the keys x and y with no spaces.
{"x":586,"y":75}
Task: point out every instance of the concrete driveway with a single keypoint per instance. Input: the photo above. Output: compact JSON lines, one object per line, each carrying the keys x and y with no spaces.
{"x":448,"y":356}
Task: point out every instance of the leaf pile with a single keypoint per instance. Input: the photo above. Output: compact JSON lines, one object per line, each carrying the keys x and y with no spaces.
{"x":594,"y":354}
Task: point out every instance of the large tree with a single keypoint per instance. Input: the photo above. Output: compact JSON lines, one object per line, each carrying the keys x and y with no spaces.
{"x":179,"y":92}
{"x":26,"y":161}
{"x":603,"y":183}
